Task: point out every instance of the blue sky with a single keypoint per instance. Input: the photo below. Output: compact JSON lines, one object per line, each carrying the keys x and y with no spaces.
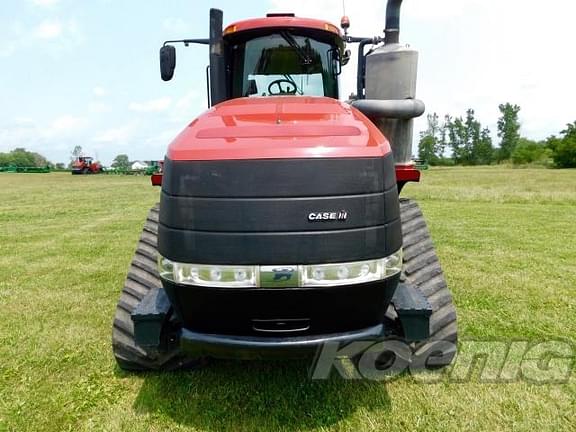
{"x":86,"y":73}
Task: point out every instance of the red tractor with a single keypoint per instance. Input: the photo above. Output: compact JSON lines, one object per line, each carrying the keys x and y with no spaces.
{"x":86,"y":165}
{"x":280,"y":228}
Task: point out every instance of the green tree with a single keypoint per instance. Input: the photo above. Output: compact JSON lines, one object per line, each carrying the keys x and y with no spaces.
{"x":426,"y":147}
{"x":40,"y":161}
{"x":564,"y":149}
{"x":528,"y":152}
{"x":5,"y":159}
{"x":432,"y":142}
{"x":470,"y":143}
{"x":21,"y":157}
{"x":482,"y":149}
{"x":462,"y":133}
{"x":508,"y":130}
{"x":121,"y":162}
{"x":456,"y":138}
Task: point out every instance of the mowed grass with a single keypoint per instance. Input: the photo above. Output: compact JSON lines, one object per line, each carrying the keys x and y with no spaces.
{"x":506,"y":239}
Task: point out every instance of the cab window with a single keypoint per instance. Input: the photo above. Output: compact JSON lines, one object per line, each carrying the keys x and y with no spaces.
{"x":282,"y":64}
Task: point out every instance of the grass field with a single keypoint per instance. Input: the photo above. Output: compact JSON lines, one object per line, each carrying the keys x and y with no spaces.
{"x":506,"y":238}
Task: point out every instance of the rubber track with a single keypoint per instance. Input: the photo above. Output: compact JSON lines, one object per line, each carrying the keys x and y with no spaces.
{"x":142,"y":277}
{"x":422,"y":269}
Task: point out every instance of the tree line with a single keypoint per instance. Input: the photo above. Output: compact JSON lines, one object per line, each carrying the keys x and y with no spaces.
{"x":463,"y":141}
{"x":451,"y":141}
{"x":20,"y":157}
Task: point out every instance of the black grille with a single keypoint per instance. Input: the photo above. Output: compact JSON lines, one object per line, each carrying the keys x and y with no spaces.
{"x":256,"y":211}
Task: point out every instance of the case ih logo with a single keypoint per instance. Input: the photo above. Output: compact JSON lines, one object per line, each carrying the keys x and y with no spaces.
{"x":341,"y":215}
{"x":283,"y":274}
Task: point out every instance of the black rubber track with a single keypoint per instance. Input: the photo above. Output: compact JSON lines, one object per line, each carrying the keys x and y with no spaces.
{"x":422,"y":269}
{"x":142,"y":277}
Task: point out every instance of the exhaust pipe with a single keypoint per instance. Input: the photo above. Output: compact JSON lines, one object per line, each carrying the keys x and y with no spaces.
{"x":392,"y":30}
{"x":390,"y":87}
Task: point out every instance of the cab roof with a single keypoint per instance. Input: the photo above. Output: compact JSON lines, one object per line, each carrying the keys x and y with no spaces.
{"x":281,"y":20}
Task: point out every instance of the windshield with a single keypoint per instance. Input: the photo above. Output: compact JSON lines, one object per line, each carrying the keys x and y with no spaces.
{"x":283,"y":64}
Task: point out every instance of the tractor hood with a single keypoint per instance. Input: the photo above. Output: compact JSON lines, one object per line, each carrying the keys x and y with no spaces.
{"x":285,"y":127}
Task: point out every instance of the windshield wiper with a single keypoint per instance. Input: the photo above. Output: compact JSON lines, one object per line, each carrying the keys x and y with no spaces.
{"x":306,"y":60}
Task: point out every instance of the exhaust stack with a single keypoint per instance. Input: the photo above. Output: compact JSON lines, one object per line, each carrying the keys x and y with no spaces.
{"x":392,"y":30}
{"x":390,"y":95}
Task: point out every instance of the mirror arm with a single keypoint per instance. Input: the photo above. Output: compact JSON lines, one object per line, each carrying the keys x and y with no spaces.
{"x":187,"y":42}
{"x":361,"y":67}
{"x":374,"y":40}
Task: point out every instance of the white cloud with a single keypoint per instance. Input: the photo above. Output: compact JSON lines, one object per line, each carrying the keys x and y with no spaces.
{"x":11,"y":37}
{"x":153,"y":105}
{"x":118,"y":135}
{"x":67,"y":123}
{"x":187,"y":107}
{"x":189,"y":100}
{"x":48,"y":30}
{"x":99,"y":91}
{"x":57,"y":34}
{"x":23,"y":121}
{"x":55,"y":135}
{"x":45,"y":3}
{"x":176,"y":26}
{"x":162,"y":139}
{"x":7,"y":48}
{"x":98,"y":107}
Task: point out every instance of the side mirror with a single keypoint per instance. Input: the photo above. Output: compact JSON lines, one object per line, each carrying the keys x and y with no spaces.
{"x":167,"y":62}
{"x":346,"y":57}
{"x":335,"y":61}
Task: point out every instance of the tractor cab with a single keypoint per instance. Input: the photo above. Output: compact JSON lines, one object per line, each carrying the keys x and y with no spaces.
{"x":279,"y":55}
{"x":282,"y":55}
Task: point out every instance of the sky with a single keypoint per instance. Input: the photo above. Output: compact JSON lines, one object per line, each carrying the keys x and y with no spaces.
{"x":86,"y":73}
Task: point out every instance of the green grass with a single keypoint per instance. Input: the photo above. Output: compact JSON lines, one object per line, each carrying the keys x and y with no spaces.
{"x":506,"y":238}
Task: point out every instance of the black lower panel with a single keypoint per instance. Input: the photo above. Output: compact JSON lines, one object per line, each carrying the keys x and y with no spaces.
{"x":271,"y":248}
{"x":263,"y":312}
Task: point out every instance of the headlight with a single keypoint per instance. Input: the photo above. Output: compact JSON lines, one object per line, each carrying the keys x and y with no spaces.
{"x":208,"y":275}
{"x":318,"y":275}
{"x":351,"y":273}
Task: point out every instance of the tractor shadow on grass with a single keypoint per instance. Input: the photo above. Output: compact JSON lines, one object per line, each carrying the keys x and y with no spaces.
{"x":258,"y":395}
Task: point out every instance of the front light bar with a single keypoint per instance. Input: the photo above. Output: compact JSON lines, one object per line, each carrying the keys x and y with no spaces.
{"x":281,"y":276}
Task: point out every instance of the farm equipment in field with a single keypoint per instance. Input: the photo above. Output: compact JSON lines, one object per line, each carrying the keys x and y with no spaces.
{"x":86,"y":165}
{"x":26,"y":169}
{"x":154,"y":167}
{"x":280,"y":226}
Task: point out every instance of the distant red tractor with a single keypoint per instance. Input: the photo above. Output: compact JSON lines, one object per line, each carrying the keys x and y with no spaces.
{"x":86,"y":165}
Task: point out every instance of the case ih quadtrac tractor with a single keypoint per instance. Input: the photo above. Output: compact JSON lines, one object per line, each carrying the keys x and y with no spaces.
{"x":86,"y":165}
{"x":280,"y":226}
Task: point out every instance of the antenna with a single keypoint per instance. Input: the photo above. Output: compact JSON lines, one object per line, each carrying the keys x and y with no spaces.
{"x":345,"y":21}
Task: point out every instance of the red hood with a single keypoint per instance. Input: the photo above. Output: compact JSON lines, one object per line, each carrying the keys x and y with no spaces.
{"x":279,"y":128}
